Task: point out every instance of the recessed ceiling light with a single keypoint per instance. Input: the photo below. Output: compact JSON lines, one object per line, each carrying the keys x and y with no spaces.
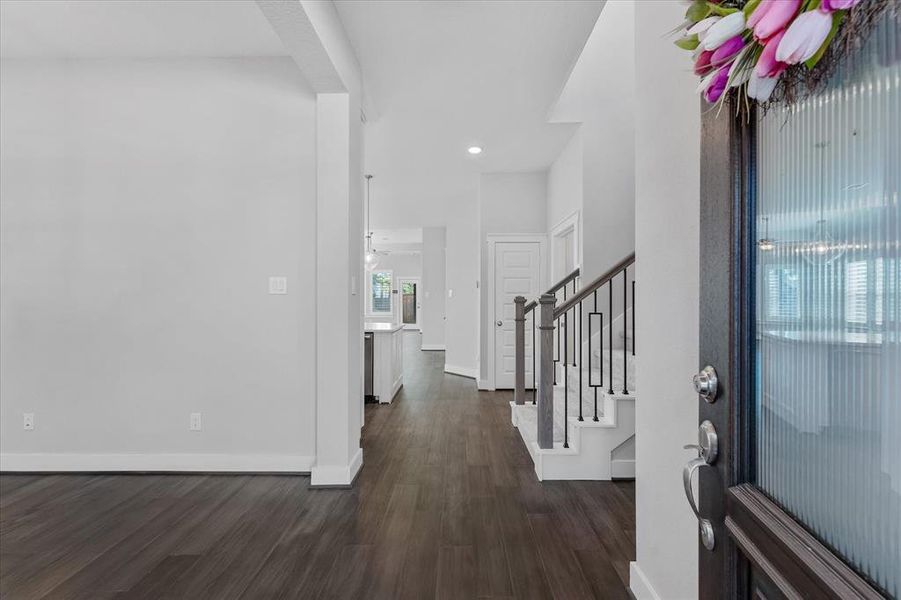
{"x":475,"y":150}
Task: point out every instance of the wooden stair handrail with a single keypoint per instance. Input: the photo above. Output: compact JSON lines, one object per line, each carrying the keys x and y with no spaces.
{"x":591,"y":287}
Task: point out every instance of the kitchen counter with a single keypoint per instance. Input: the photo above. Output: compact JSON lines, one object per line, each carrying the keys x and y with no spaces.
{"x":382,"y":327}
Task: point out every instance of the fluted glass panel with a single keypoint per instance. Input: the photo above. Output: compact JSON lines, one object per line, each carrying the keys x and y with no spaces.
{"x":828,"y":304}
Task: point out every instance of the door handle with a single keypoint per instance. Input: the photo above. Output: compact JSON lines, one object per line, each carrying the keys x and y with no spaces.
{"x":707,"y":452}
{"x":499,"y":323}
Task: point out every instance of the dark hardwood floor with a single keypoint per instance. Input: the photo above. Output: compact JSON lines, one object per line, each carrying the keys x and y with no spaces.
{"x":446,"y":506}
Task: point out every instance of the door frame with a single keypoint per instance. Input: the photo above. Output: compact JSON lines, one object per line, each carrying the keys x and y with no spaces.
{"x":754,"y":537}
{"x":493,"y":240}
{"x":400,"y":303}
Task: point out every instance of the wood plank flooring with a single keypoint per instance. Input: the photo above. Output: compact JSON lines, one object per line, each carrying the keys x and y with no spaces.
{"x":446,"y":506}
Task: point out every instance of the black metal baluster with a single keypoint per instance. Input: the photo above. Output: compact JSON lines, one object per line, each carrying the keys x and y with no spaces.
{"x":601,"y":336}
{"x":575,"y":290}
{"x":565,"y":380}
{"x":633,"y":317}
{"x":625,"y":350}
{"x":579,"y":342}
{"x":557,"y":349}
{"x":534,"y":387}
{"x":610,"y":334}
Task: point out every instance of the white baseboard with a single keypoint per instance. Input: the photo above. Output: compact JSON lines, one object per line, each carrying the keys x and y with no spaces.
{"x":482,"y":384}
{"x":639,"y":585}
{"x":432,"y":347}
{"x":249,"y":463}
{"x":463,"y":371}
{"x":337,"y":475}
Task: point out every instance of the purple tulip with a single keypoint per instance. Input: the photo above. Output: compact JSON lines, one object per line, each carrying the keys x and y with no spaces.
{"x":804,"y":37}
{"x":727,"y":51}
{"x":717,"y":85}
{"x":833,"y":5}
{"x":767,"y":65}
{"x":771,"y":16}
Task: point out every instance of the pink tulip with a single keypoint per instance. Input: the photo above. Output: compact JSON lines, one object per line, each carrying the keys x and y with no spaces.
{"x":717,"y":85}
{"x":702,"y":64}
{"x":767,"y":65}
{"x":729,"y":49}
{"x":772,"y":16}
{"x":804,"y":37}
{"x":833,"y":5}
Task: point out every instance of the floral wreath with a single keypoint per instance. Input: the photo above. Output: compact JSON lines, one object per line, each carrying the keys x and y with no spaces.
{"x":753,"y":45}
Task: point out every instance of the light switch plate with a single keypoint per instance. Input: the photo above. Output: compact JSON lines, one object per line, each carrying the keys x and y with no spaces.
{"x":278,"y":285}
{"x":196,"y":424}
{"x":28,"y":421}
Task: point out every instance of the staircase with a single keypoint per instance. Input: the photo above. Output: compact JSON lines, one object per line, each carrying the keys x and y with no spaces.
{"x":578,"y":421}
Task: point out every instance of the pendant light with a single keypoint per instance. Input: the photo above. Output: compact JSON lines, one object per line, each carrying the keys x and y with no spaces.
{"x":371,"y":258}
{"x":765,"y":244}
{"x":823,"y":249}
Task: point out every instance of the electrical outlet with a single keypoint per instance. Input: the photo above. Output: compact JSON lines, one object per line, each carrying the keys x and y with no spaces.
{"x":196,"y":424}
{"x":28,"y":422}
{"x":278,"y":285}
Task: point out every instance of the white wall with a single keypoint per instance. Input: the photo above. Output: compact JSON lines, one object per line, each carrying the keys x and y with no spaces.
{"x":144,"y":205}
{"x":434,"y":266}
{"x":600,"y":94}
{"x":564,"y":183}
{"x":667,"y":187}
{"x":462,"y":296}
{"x":508,"y":203}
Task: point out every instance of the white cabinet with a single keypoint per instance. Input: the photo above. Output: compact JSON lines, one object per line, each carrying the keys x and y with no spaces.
{"x":388,"y":359}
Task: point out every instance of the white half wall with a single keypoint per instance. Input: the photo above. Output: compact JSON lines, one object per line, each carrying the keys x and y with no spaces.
{"x":508,"y":203}
{"x":667,"y":189}
{"x":143,"y":206}
{"x":434,"y":280}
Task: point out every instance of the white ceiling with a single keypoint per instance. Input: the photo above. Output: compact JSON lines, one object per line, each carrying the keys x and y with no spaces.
{"x":135,"y":29}
{"x":445,"y":75}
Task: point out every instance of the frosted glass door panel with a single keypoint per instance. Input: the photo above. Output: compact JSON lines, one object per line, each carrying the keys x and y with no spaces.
{"x":828,"y":310}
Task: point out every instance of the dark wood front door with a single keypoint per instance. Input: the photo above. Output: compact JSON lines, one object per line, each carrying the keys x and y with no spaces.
{"x":800,"y":270}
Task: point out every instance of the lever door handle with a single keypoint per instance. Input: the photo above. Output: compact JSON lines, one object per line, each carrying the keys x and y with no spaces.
{"x":707,"y":449}
{"x":706,"y":526}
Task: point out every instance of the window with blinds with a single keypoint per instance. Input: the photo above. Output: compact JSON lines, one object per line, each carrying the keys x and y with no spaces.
{"x":380,"y":292}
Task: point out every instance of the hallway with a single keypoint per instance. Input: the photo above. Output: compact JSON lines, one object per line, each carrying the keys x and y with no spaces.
{"x":446,"y":506}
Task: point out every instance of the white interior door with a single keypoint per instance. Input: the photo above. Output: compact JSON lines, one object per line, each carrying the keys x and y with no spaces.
{"x":517,"y":271}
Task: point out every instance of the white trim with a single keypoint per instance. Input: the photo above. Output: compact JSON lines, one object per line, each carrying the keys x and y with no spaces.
{"x":639,"y":585}
{"x":482,"y":385}
{"x":472,"y":373}
{"x":571,"y":222}
{"x":337,"y":475}
{"x":430,"y":347}
{"x":493,"y":239}
{"x":252,"y":463}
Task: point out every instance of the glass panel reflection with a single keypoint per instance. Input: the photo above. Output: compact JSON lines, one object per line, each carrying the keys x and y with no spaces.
{"x":828,"y":324}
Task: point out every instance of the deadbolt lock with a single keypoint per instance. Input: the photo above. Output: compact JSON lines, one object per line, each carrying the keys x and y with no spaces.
{"x":705,"y":383}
